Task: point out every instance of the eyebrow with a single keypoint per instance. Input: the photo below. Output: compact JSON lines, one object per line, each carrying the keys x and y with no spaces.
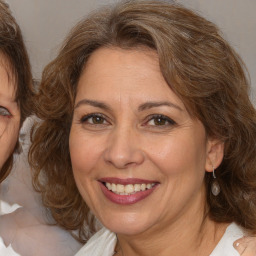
{"x":145,"y":106}
{"x":93,"y":103}
{"x":149,"y":105}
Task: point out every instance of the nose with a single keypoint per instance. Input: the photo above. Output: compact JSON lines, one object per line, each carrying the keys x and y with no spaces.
{"x":124,"y":149}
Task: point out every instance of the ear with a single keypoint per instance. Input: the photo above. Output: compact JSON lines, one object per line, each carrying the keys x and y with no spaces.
{"x":214,"y":154}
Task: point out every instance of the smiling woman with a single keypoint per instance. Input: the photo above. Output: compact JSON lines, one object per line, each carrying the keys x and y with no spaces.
{"x":147,"y":126}
{"x":130,"y":145}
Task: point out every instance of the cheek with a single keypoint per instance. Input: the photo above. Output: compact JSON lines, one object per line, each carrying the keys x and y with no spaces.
{"x":84,"y":153}
{"x":8,"y":141}
{"x":178,"y":153}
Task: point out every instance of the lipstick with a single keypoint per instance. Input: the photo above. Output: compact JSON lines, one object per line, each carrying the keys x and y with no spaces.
{"x":127,"y":191}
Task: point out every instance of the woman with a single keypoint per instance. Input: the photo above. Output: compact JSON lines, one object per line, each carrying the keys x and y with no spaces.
{"x":147,"y":126}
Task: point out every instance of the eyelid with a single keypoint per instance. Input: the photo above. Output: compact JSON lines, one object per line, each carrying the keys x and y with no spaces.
{"x":84,"y":118}
{"x":168,"y":119}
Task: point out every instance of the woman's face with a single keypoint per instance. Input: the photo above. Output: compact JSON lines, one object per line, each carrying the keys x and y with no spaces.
{"x":138,"y":157}
{"x":9,"y":114}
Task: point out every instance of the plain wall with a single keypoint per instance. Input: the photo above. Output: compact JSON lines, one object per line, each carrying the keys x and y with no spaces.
{"x":46,"y":22}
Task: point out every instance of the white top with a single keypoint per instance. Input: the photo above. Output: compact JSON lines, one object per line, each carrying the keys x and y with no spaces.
{"x":225,"y":245}
{"x":104,"y":241}
{"x":6,"y":251}
{"x":4,"y":209}
{"x":101,"y":243}
{"x":24,"y":228}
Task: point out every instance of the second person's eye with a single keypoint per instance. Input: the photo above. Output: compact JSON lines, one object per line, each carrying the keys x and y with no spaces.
{"x":4,"y":111}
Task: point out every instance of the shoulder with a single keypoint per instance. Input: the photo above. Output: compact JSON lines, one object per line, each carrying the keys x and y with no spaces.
{"x":225,"y":245}
{"x":101,"y":243}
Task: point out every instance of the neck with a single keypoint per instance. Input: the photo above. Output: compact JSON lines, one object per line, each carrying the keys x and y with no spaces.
{"x":200,"y":243}
{"x":192,"y":234}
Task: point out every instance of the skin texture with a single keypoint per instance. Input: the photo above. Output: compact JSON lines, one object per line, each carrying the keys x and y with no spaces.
{"x":129,"y":136}
{"x":9,"y":115}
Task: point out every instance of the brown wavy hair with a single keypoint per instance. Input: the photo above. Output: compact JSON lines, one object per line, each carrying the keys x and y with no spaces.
{"x":199,"y":66}
{"x":14,"y":53}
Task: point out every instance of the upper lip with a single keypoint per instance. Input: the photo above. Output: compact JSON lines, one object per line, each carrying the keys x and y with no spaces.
{"x":126,"y":181}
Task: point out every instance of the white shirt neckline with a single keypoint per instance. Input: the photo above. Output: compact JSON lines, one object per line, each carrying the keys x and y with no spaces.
{"x":104,"y":241}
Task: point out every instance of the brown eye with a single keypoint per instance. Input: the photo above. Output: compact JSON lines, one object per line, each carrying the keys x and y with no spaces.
{"x":160,"y":120}
{"x":97,"y":120}
{"x":94,"y":119}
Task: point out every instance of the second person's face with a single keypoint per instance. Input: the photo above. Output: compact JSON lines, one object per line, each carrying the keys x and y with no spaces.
{"x":138,"y":157}
{"x":9,"y":113}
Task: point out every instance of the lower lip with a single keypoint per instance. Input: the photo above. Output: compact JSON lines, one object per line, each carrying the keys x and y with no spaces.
{"x":126,"y":199}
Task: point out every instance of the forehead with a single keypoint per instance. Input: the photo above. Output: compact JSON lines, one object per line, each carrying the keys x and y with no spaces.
{"x":7,"y":81}
{"x":132,"y":74}
{"x":7,"y":85}
{"x":116,"y":67}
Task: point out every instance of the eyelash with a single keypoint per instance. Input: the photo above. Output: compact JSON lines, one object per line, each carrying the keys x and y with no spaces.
{"x":167,"y":121}
{"x":85,"y":118}
{"x":4,"y":112}
{"x":103,"y":120}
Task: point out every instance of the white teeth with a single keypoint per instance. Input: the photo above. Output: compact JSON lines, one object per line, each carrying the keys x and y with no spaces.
{"x":128,"y":189}
{"x":119,"y":188}
{"x":113,"y":187}
{"x":136,"y":187}
{"x":143,"y":187}
{"x":108,"y":186}
{"x":149,"y":186}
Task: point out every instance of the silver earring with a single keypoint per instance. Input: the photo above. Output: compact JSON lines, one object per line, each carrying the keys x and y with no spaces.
{"x":215,"y":185}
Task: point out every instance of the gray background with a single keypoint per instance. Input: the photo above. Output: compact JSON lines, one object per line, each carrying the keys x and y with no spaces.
{"x":46,"y":22}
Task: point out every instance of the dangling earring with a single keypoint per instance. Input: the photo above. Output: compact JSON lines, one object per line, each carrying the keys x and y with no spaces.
{"x":215,"y":185}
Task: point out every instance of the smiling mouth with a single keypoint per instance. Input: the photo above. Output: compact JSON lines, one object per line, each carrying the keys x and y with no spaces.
{"x":128,"y":189}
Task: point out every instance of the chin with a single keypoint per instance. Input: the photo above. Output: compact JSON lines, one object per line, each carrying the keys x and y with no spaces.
{"x":130,"y":224}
